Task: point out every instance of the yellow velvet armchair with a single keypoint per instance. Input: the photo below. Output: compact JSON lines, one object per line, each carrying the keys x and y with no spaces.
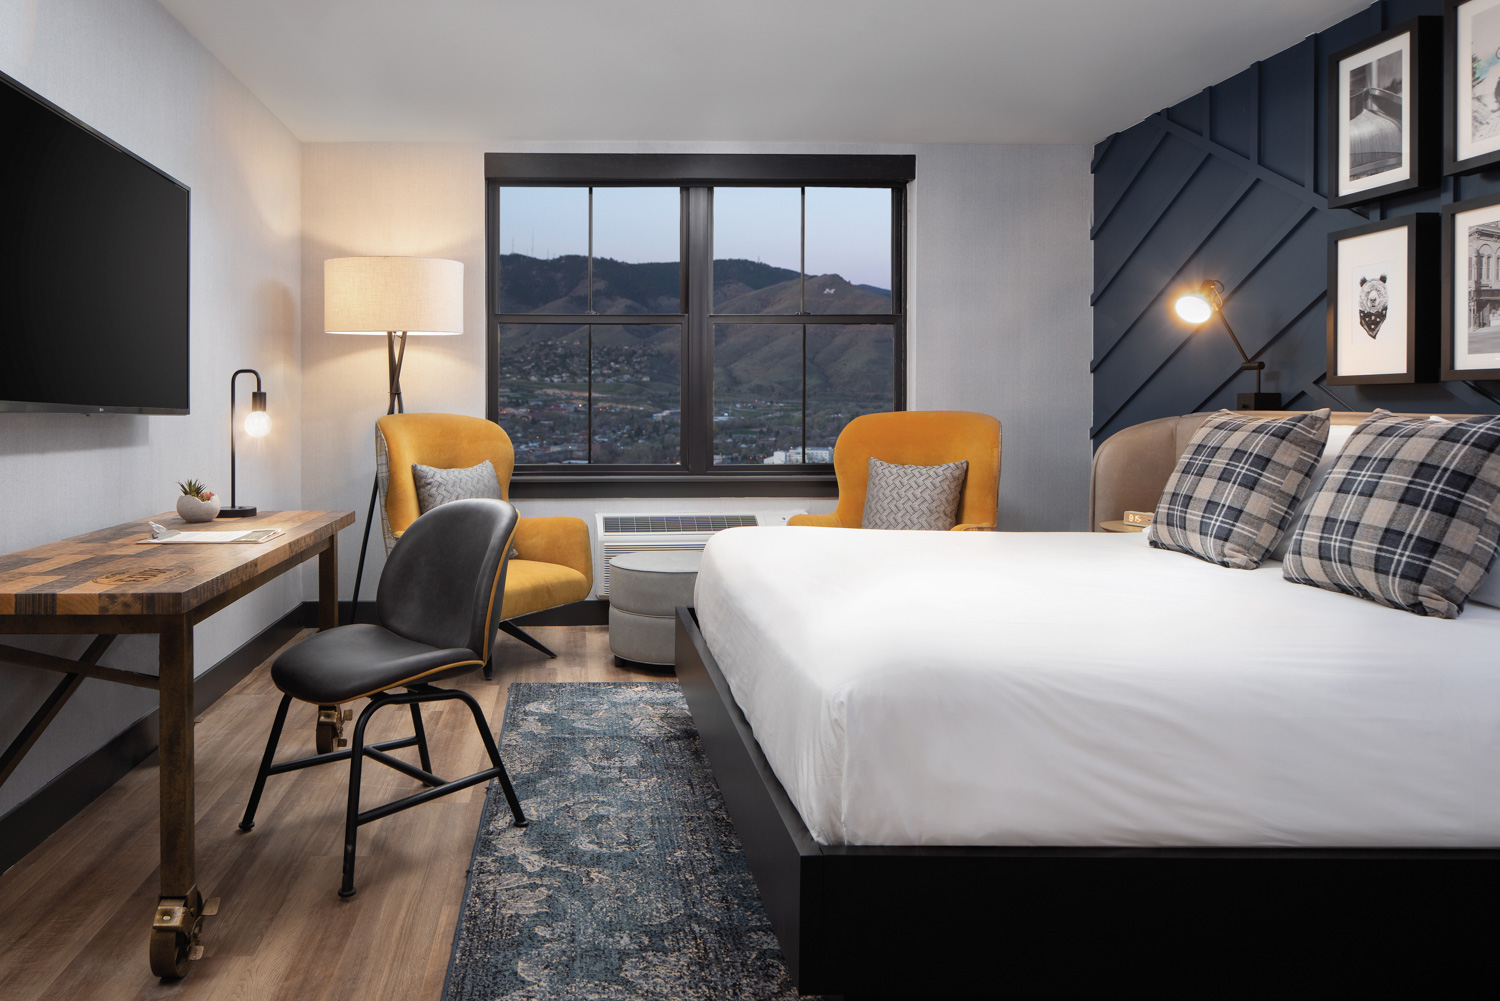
{"x":916,"y":438}
{"x":554,"y":564}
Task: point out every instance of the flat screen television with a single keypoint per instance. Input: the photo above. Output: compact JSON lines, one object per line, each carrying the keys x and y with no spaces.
{"x":93,"y":269}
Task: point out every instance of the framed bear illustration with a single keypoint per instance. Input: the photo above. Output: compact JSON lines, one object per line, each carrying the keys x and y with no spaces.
{"x":1383,"y":281}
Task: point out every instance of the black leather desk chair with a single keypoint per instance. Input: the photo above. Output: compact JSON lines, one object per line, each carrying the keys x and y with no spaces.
{"x":437,"y":604}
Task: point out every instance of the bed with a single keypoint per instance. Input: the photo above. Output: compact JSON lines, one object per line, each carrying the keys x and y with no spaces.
{"x":1177,"y":800}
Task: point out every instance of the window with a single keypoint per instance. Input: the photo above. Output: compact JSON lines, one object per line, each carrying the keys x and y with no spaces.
{"x":702,"y":320}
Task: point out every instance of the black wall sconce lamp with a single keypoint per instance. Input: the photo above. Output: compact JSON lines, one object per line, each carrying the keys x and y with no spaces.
{"x":257,"y":425}
{"x":1198,"y":307}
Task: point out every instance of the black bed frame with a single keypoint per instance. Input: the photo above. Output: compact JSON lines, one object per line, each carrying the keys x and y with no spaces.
{"x":1208,"y":923}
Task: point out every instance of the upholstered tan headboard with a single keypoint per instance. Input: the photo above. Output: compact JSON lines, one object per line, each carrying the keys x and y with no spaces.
{"x":1131,"y":468}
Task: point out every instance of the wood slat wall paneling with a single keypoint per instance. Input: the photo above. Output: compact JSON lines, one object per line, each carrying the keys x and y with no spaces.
{"x":1230,"y":184}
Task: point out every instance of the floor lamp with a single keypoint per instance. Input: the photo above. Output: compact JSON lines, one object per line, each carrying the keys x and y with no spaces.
{"x":396,"y":297}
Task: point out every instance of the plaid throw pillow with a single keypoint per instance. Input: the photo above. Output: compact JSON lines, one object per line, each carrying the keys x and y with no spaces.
{"x":923,"y":498}
{"x":1406,"y":515}
{"x":1233,"y":491}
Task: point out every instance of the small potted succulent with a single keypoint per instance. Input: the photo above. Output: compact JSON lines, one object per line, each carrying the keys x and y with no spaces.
{"x":197,"y":502}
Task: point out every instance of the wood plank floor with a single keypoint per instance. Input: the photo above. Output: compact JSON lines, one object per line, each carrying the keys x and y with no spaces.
{"x":75,"y":913}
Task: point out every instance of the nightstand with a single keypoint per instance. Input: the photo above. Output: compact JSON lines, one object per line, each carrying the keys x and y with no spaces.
{"x":1121,"y":526}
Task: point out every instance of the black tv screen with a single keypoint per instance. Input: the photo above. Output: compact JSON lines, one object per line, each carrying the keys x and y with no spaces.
{"x":93,"y":269}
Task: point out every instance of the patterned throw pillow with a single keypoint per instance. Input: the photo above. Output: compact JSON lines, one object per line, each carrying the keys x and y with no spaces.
{"x":913,"y":497}
{"x":1406,"y":515}
{"x":436,"y":487}
{"x":1235,"y":487}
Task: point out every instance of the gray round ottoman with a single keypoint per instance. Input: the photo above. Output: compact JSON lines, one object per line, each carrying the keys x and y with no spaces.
{"x":644,"y":592}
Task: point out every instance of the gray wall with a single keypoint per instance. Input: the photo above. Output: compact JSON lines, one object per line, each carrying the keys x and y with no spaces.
{"x":999,"y":316}
{"x":132,"y":72}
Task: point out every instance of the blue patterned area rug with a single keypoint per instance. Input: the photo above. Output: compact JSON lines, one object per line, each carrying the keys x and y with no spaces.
{"x":629,"y":884}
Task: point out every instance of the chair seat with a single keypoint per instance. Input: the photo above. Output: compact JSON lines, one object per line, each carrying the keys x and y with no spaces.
{"x":531,"y":586}
{"x":349,"y":662}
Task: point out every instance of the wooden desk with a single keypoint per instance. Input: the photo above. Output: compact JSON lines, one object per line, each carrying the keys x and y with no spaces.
{"x":106,"y":584}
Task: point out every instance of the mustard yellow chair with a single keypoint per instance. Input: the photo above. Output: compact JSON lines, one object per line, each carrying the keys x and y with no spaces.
{"x":554,"y":564}
{"x":916,"y":438}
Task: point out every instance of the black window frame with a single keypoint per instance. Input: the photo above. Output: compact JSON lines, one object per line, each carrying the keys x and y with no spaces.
{"x":696,"y":175}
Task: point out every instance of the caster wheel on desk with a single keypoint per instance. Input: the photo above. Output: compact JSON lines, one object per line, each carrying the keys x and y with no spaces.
{"x":170,"y":953}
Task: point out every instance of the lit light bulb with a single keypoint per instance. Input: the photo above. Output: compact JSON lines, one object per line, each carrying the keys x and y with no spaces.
{"x":258,"y":424}
{"x":1194,"y":308}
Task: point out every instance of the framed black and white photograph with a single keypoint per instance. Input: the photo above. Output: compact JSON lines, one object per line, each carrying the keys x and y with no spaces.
{"x":1471,"y":85}
{"x":1471,"y":289}
{"x":1382,"y":299}
{"x":1379,"y":114}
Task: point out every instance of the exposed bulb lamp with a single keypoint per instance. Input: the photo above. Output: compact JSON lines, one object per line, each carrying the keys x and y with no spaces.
{"x":257,"y":425}
{"x":397,"y":297}
{"x":1200,"y":305}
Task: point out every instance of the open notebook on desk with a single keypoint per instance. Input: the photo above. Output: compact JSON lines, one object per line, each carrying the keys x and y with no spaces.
{"x":172,"y":536}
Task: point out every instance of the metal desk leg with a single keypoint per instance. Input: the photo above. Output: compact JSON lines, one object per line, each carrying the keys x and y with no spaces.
{"x":328,"y":585}
{"x":180,"y":910}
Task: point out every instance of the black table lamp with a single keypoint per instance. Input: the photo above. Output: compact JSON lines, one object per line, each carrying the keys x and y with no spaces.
{"x":1197,"y":308}
{"x":257,"y":425}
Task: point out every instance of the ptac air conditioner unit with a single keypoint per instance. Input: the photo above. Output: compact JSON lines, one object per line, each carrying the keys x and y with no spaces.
{"x":618,"y":534}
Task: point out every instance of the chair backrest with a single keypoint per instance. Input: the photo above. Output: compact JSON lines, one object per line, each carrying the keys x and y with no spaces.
{"x":446,"y":441}
{"x":443,"y":582}
{"x":921,"y":438}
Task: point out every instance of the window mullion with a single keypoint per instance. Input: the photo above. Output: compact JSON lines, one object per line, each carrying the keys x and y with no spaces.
{"x":804,"y":394}
{"x":589,"y":399}
{"x":802,"y":256}
{"x":590,"y":277}
{"x":697,"y":414}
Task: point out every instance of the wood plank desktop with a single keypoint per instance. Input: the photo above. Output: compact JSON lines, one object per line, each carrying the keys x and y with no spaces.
{"x":107,"y":584}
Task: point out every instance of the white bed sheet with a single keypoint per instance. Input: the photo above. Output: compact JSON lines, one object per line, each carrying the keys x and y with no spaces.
{"x":921,"y":688}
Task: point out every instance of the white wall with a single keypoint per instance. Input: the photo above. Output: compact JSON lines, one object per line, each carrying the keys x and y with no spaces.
{"x":129,"y":70}
{"x":999,"y":315}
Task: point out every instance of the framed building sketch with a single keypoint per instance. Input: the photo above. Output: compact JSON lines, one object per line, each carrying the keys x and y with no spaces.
{"x":1380,"y":114}
{"x":1471,"y":289}
{"x":1471,"y":85}
{"x":1382,"y":302}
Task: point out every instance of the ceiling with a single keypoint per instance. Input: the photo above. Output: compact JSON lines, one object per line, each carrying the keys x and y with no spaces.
{"x":969,"y":71}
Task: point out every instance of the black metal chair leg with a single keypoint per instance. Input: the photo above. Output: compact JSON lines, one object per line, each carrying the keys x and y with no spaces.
{"x":248,"y":823}
{"x":518,"y":818}
{"x":511,"y":629}
{"x":416,"y":722}
{"x":351,"y":820}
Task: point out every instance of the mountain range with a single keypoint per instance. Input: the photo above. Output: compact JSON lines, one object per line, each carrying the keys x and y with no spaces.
{"x":844,"y":361}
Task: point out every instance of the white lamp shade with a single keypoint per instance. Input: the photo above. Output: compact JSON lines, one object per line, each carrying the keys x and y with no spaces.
{"x":373,"y":295}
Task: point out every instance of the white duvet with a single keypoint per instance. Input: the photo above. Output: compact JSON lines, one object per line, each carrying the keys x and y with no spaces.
{"x":981,"y":688}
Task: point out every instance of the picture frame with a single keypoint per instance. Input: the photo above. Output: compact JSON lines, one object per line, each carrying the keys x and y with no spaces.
{"x":1471,"y":289}
{"x":1471,"y":85}
{"x":1383,"y":282}
{"x":1382,"y":111}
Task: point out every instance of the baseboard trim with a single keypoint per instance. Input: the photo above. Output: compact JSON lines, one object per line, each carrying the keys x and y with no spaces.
{"x":593,"y":612}
{"x":41,"y":814}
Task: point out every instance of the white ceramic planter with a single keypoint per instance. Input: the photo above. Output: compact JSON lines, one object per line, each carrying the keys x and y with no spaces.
{"x":193,"y":509}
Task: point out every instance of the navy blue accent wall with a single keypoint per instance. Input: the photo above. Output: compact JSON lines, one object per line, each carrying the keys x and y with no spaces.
{"x":1230,"y":184}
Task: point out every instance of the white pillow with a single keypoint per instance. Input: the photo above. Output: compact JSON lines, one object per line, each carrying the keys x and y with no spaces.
{"x":1338,"y":434}
{"x":1488,"y":591}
